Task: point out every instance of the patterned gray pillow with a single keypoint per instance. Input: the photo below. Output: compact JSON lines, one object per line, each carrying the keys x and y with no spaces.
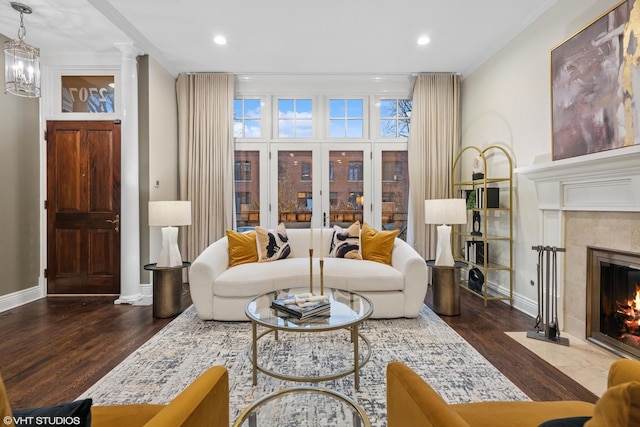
{"x":345,"y":242}
{"x":272,"y":245}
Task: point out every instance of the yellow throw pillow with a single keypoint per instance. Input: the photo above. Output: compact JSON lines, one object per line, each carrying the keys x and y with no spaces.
{"x":242,"y":247}
{"x":619,"y":406}
{"x":377,"y":245}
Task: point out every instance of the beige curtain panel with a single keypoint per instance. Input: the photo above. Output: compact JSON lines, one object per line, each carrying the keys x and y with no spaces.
{"x":205,"y":150}
{"x":434,"y":140}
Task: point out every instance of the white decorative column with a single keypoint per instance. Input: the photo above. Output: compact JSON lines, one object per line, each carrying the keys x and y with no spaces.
{"x":130,"y":209}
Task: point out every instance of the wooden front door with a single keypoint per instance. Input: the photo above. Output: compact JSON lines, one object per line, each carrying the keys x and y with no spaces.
{"x":83,"y":207}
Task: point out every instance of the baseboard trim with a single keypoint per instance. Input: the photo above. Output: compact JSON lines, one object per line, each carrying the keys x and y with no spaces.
{"x":520,"y":303}
{"x":525,"y":305}
{"x":146,"y":289}
{"x":18,"y":298}
{"x":25,"y":296}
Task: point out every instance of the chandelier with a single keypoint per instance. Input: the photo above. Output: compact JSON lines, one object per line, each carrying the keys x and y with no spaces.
{"x":21,"y":62}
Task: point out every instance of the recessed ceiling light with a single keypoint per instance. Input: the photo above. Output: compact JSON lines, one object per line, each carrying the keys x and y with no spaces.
{"x":423,"y":40}
{"x":220,"y":40}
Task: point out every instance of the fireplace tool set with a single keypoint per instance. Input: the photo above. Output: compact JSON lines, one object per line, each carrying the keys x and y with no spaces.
{"x":547,"y":296}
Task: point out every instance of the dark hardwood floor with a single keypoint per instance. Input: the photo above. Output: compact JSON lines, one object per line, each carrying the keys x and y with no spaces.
{"x":485,"y":327}
{"x":53,"y":349}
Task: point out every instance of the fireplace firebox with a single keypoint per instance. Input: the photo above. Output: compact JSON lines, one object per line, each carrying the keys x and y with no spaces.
{"x":613,"y":300}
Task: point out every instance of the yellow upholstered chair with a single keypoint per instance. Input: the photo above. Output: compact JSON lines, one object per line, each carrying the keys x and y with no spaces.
{"x":412,"y":402}
{"x":205,"y":402}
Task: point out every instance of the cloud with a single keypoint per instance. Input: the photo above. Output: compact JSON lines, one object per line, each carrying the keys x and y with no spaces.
{"x":247,"y":130}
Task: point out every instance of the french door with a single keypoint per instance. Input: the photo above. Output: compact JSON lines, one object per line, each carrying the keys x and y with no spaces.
{"x":320,"y":184}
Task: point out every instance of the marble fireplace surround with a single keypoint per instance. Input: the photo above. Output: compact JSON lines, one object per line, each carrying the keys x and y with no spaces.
{"x":591,"y":200}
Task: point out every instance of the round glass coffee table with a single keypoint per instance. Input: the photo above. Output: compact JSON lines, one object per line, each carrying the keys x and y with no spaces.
{"x":304,"y":406}
{"x":348,"y":311}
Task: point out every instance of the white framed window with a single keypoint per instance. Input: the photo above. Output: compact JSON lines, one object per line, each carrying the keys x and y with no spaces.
{"x":247,"y":118}
{"x":328,"y":155}
{"x":88,"y":94}
{"x":346,"y":118}
{"x":295,"y":117}
{"x":391,"y":186}
{"x":349,"y":183}
{"x":53,"y":95}
{"x":395,"y":115}
{"x":250,"y":193}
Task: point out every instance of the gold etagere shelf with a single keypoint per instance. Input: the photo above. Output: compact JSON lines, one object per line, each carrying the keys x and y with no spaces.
{"x":495,"y":271}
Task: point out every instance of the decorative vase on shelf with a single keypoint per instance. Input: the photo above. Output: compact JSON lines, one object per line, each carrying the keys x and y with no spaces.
{"x":476,"y":224}
{"x":478,"y":168}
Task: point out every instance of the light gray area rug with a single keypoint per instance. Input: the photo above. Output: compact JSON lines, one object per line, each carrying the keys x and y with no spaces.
{"x":174,"y":357}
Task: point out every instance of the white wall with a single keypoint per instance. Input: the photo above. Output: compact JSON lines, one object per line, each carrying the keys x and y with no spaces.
{"x":507,"y":101}
{"x":163,"y":144}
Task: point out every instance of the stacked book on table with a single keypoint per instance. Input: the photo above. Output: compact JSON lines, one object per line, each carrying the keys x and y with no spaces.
{"x":302,"y":306}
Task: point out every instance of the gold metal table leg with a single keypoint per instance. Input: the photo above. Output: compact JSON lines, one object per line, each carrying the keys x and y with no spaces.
{"x":354,"y":336}
{"x":356,"y":356}
{"x":254,"y":349}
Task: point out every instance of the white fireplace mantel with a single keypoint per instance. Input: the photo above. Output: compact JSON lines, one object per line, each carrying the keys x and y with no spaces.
{"x":608,"y":181}
{"x":605,"y":181}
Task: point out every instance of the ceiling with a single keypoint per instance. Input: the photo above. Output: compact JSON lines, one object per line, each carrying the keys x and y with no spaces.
{"x":340,"y":37}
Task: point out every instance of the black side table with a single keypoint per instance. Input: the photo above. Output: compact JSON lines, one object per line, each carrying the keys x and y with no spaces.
{"x":446,"y":287}
{"x":167,"y":289}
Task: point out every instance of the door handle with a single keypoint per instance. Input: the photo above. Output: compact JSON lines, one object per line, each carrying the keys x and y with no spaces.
{"x":116,"y":222}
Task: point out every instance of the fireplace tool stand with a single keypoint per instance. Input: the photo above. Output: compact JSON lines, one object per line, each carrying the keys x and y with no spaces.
{"x":547,"y":296}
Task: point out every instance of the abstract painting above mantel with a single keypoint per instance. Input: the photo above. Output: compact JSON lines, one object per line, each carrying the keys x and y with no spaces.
{"x":594,"y":77}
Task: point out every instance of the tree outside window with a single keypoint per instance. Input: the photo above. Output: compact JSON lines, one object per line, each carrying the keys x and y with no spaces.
{"x":394,"y":117}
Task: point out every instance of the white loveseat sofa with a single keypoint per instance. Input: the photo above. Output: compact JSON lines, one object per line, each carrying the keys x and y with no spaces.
{"x":221,"y":293}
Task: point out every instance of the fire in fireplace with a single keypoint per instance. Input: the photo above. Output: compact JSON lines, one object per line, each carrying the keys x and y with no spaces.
{"x":613,"y":300}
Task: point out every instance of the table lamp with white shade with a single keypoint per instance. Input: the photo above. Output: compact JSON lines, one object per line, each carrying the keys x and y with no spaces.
{"x":445,"y":211}
{"x":169,"y":215}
